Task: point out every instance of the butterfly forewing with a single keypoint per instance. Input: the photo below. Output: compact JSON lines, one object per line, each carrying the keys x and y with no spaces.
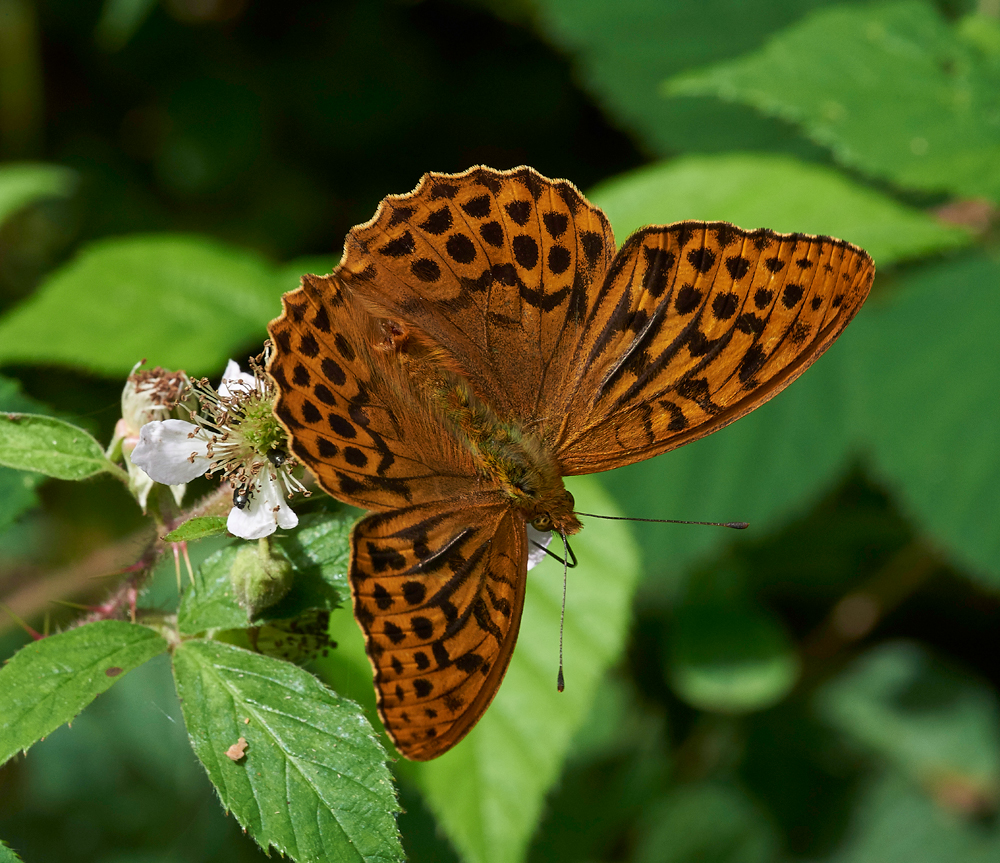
{"x":352,"y":412}
{"x":497,"y":266}
{"x":438,"y":590}
{"x":695,"y":325}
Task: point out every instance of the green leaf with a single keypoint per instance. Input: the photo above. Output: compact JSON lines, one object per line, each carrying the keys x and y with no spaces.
{"x":50,"y":681}
{"x":318,"y":550}
{"x":778,"y":192}
{"x":17,"y":488}
{"x":706,"y":821}
{"x":7,"y":854}
{"x":890,"y":88}
{"x":925,"y":375}
{"x":182,"y":301}
{"x":198,"y":528}
{"x":894,"y":822}
{"x":50,"y":446}
{"x":624,"y":54}
{"x":933,"y":722}
{"x":313,"y":782}
{"x":730,"y":657}
{"x":488,"y":792}
{"x":23,"y":183}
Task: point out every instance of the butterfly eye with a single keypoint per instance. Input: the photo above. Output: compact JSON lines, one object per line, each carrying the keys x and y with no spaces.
{"x":241,"y":497}
{"x":543,"y":522}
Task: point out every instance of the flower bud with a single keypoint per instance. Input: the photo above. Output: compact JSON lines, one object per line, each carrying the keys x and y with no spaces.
{"x":261,"y":575}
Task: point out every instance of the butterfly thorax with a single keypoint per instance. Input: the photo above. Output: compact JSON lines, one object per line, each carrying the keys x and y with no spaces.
{"x":517,"y":460}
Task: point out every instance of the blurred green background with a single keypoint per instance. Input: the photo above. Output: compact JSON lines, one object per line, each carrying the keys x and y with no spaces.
{"x":822,"y":687}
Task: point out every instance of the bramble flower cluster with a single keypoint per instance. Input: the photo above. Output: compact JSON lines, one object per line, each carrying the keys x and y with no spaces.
{"x":234,"y":433}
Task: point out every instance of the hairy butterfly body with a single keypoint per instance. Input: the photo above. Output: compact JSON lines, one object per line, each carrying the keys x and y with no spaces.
{"x":480,"y":340}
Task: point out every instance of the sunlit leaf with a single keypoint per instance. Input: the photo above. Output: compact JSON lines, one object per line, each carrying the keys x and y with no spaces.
{"x":23,"y":183}
{"x":50,"y":681}
{"x":890,"y":88}
{"x":49,"y":446}
{"x":924,"y":368}
{"x":17,"y":488}
{"x":7,"y":854}
{"x":777,"y":192}
{"x":180,"y":301}
{"x":198,"y":528}
{"x":623,"y":53}
{"x":313,"y":782}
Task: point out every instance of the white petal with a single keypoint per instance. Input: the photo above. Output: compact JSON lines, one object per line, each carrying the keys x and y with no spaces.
{"x":239,"y":380}
{"x":265,"y":512}
{"x":168,"y":454}
{"x":535,"y":554}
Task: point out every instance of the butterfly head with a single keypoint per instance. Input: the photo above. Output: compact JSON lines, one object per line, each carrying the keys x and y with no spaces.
{"x":555,"y":512}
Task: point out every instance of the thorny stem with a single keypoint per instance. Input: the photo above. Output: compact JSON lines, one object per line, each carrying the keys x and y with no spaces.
{"x":111,"y":560}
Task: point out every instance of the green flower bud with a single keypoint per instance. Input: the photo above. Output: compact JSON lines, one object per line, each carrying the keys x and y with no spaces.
{"x":261,"y":575}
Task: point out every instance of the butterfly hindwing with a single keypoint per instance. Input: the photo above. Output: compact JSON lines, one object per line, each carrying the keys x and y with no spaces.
{"x":499,"y":266}
{"x":438,"y":590}
{"x":696,"y":325}
{"x":352,"y":412}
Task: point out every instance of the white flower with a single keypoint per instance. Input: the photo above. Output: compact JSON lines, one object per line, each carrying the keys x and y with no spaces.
{"x":236,"y":435}
{"x":538,"y":541}
{"x":148,"y":396}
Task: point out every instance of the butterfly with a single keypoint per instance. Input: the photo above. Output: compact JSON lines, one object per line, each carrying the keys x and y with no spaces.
{"x":480,"y":340}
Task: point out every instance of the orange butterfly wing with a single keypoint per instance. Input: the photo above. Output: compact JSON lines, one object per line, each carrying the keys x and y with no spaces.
{"x":498,"y":266}
{"x":437,"y":581}
{"x":350,"y":409}
{"x":439,"y":590}
{"x":696,"y":324}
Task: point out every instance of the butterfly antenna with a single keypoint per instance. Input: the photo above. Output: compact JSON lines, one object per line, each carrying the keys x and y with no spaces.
{"x":735,"y":525}
{"x":560,"y":679}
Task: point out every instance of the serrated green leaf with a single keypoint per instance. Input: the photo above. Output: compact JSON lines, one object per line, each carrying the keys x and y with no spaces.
{"x":23,"y":183}
{"x":933,"y":722}
{"x":50,"y":446}
{"x":705,"y":821}
{"x":890,"y":88}
{"x":778,"y":192}
{"x":730,"y":657}
{"x":7,"y":854}
{"x":17,"y":488}
{"x":318,"y":549}
{"x":624,"y":53}
{"x":488,"y":792}
{"x":50,"y":681}
{"x":925,"y":378}
{"x":198,"y":528}
{"x":182,"y":301}
{"x":313,"y":782}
